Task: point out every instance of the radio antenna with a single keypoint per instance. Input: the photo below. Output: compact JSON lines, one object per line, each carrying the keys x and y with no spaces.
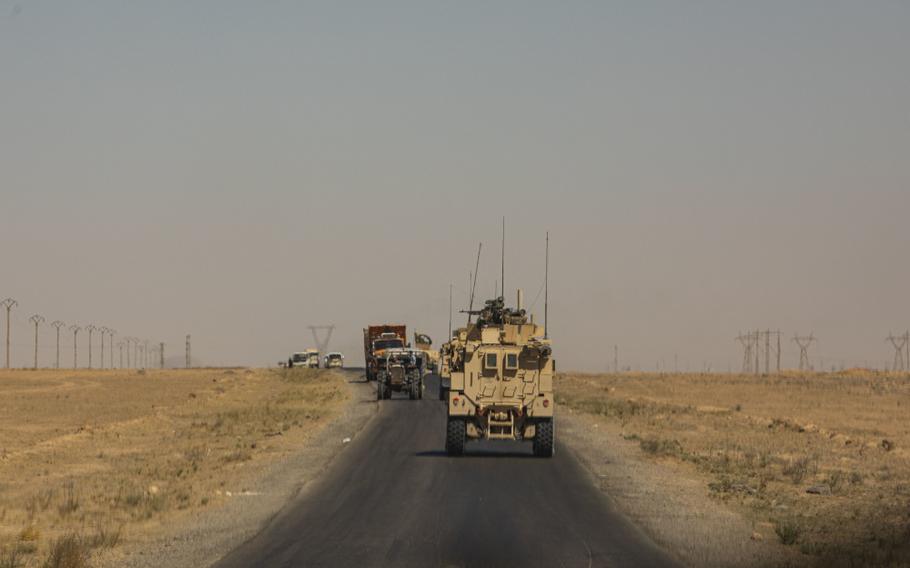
{"x":474,"y":285}
{"x":502,"y":262}
{"x":546,"y":289}
{"x":450,"y":313}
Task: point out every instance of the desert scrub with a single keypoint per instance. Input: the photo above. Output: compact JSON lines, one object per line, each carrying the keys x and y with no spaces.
{"x":787,"y":531}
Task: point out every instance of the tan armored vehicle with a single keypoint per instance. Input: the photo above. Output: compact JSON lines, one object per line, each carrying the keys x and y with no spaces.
{"x":450,"y":359}
{"x":423,"y":342}
{"x":504,"y":389}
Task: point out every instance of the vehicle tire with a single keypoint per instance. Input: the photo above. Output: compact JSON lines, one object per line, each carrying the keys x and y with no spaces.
{"x":455,"y":436}
{"x":420,"y":389}
{"x":379,"y":391}
{"x":387,"y":391}
{"x":412,"y":390}
{"x":544,"y":439}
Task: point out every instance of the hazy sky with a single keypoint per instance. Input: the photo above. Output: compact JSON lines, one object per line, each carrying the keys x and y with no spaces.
{"x":240,"y":170}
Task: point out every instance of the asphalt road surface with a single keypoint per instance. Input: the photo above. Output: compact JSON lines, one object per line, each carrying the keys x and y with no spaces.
{"x":394,"y":498}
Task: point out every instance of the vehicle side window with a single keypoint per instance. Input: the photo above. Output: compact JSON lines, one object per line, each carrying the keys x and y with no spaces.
{"x":511,"y":361}
{"x":490,"y":361}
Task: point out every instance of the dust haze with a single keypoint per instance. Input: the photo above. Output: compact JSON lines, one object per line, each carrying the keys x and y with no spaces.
{"x":239,"y":172}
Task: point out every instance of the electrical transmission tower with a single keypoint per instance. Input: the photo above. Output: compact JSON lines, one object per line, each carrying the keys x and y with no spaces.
{"x":120,"y":345}
{"x":188,"y":353}
{"x":37,"y":320}
{"x":58,"y":324}
{"x":75,"y":329}
{"x":747,"y":341}
{"x":804,"y":342}
{"x":900,"y":343}
{"x":9,"y":304}
{"x":757,"y":344}
{"x":161,"y":355}
{"x":322,"y":345}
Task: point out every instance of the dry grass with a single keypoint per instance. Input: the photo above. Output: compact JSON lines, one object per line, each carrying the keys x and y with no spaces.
{"x":760,"y":443}
{"x":89,"y":459}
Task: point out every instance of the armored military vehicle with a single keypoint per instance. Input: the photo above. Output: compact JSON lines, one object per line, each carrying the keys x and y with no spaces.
{"x":423,"y":342}
{"x":504,"y":387}
{"x":402,"y":371}
{"x":450,"y":359}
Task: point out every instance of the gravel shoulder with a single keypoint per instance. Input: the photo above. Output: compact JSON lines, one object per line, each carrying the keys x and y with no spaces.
{"x":202,"y":539}
{"x":669,"y":501}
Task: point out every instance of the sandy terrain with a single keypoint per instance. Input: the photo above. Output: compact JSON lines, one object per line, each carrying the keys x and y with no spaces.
{"x":720,"y":467}
{"x":96,"y":465}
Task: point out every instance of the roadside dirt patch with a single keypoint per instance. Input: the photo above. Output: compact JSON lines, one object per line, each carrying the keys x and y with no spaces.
{"x":94,"y":461}
{"x":814,"y":464}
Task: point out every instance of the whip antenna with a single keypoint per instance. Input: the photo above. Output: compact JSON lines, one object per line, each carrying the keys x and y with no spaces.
{"x":474,"y":285}
{"x":502,"y":262}
{"x":546,"y":289}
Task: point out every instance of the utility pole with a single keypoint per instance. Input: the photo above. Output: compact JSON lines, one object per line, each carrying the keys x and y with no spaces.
{"x":103,"y":331}
{"x":90,"y":328}
{"x":161,"y":355}
{"x":804,"y":343}
{"x":188,"y":352}
{"x":9,"y":304}
{"x":110,"y":335}
{"x":616,"y":358}
{"x":36,"y":319}
{"x":58,"y":324}
{"x":129,"y":365}
{"x":145,"y":354}
{"x":120,"y":345}
{"x":768,"y":352}
{"x":778,"y":351}
{"x":75,"y":329}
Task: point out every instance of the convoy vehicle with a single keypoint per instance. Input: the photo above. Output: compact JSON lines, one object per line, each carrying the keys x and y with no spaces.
{"x":376,"y":340}
{"x":333,"y":360}
{"x":504,"y":389}
{"x":308,"y":359}
{"x":450,"y":359}
{"x":423,"y":342}
{"x":402,"y":371}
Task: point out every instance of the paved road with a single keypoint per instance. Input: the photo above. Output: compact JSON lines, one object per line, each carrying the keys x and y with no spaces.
{"x":394,"y":498}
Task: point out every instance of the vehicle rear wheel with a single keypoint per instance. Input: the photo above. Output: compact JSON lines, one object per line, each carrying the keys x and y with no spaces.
{"x":412,"y":390}
{"x":544,"y":439}
{"x":379,"y":391}
{"x":455,"y":436}
{"x":420,"y":389}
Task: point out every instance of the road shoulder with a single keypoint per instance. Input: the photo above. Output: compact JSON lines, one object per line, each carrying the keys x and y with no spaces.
{"x":204,"y":538}
{"x":667,"y":500}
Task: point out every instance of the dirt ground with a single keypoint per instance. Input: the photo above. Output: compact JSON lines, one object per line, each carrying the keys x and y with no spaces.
{"x":92,"y":460}
{"x":817,"y":465}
